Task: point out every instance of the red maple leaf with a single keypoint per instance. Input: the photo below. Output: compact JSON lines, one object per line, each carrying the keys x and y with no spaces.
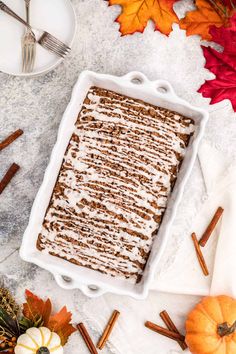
{"x":222,"y":64}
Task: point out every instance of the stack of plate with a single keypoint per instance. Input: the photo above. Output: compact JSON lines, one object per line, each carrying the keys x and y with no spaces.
{"x":55,"y":16}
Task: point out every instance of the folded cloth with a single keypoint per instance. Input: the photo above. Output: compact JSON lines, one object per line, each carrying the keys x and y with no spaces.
{"x":184,"y":276}
{"x":220,"y":180}
{"x":224,"y":279}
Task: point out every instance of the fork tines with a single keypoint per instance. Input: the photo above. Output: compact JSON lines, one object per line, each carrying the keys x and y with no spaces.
{"x":28,"y":52}
{"x":53,"y":44}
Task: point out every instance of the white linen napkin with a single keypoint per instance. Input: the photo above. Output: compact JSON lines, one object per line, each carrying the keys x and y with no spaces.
{"x":224,"y":279}
{"x":220,"y":180}
{"x":185,"y":276}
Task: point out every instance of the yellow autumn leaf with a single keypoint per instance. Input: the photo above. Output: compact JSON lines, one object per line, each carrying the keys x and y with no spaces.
{"x":136,"y":14}
{"x":206,"y":14}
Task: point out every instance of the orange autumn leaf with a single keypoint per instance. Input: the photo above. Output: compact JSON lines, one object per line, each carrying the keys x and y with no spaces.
{"x":136,"y":14}
{"x":60,"y":323}
{"x":206,"y":14}
{"x":35,"y":308}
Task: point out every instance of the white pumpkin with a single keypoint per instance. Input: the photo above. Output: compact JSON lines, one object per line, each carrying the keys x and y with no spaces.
{"x":39,"y":341}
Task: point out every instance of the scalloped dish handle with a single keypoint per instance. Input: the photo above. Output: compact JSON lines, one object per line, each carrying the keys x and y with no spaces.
{"x":67,"y":283}
{"x":159,"y":86}
{"x":136,"y":78}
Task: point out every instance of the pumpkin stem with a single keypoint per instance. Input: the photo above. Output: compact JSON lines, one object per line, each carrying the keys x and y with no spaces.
{"x":225,"y":330}
{"x":43,"y":350}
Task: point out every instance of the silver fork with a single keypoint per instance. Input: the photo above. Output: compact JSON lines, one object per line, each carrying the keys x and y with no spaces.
{"x":44,"y":38}
{"x":28,"y":44}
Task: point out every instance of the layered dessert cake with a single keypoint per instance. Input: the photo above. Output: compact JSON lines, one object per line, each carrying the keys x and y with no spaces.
{"x":113,"y":186}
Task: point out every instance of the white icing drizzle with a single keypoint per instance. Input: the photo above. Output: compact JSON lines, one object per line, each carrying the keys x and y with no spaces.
{"x":114,"y":183}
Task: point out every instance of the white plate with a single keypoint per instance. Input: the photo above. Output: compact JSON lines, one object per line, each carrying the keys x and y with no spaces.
{"x":55,"y":16}
{"x":69,"y":275}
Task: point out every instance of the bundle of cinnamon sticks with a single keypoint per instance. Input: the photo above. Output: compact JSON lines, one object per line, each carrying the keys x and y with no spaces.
{"x":171,"y":331}
{"x":204,"y":239}
{"x":105,"y":336}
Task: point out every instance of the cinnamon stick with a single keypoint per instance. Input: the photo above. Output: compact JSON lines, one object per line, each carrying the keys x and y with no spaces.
{"x":6,"y":142}
{"x":200,"y":255}
{"x":211,"y":227}
{"x":87,"y":339}
{"x":108,"y":329}
{"x":171,"y":326}
{"x":165,"y":332}
{"x":8,"y":176}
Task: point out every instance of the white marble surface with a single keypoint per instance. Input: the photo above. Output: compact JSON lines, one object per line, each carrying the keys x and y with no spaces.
{"x":36,"y":105}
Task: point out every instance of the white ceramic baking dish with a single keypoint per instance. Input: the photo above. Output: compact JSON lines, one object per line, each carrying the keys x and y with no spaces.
{"x":91,"y":282}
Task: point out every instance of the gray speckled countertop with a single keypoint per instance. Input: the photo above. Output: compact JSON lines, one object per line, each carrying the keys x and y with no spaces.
{"x":36,"y":105}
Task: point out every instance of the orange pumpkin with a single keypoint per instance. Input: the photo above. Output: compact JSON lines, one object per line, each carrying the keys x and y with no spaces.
{"x":211,"y":326}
